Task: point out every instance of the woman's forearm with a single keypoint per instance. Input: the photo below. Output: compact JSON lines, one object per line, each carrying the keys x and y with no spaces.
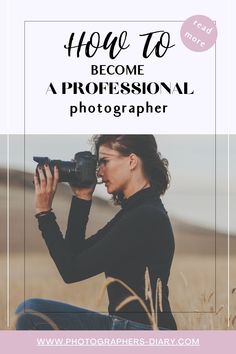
{"x":77,"y":222}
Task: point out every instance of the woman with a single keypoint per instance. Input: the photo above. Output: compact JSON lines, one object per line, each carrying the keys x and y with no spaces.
{"x":139,"y":237}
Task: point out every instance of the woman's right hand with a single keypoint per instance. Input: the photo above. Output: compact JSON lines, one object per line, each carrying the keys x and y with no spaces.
{"x":45,"y":187}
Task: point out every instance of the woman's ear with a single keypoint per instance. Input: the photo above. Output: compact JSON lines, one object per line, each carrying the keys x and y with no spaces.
{"x":133,"y":161}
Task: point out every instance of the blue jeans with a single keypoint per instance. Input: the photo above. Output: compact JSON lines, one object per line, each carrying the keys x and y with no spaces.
{"x":41,"y":314}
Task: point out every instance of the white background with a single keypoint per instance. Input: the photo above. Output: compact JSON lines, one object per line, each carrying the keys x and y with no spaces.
{"x":47,"y":61}
{"x":15,"y":13}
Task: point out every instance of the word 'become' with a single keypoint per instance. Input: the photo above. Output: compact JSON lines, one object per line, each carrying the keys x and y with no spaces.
{"x":117,"y":69}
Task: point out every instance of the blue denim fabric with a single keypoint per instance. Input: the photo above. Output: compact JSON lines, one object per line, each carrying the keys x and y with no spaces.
{"x":68,"y":317}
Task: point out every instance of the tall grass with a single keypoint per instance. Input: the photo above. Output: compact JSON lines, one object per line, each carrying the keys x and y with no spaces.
{"x":152,"y":314}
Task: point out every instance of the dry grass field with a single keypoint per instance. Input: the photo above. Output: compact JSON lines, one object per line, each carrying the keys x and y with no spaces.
{"x":198,"y":282}
{"x":193,"y":293}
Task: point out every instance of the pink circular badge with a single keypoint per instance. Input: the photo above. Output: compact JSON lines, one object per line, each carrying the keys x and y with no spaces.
{"x":198,"y":33}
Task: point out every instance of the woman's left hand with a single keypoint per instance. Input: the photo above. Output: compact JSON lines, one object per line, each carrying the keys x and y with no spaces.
{"x":83,"y":193}
{"x":45,"y":188}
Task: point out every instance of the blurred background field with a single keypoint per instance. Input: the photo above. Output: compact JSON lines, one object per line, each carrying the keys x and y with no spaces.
{"x":198,"y":282}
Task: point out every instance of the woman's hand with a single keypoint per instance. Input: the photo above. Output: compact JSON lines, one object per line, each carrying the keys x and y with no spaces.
{"x":83,"y":193}
{"x":45,"y":188}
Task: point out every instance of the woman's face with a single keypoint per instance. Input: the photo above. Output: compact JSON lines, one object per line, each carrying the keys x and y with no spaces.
{"x":114,"y":169}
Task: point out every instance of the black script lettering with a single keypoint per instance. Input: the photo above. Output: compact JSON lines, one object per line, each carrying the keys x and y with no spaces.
{"x":115,"y":45}
{"x":161,"y":46}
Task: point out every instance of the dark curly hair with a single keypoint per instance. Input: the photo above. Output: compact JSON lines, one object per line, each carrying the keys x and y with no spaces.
{"x":145,"y":147}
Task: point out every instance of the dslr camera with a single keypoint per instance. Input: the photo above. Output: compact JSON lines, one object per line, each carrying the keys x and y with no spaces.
{"x":80,"y":172}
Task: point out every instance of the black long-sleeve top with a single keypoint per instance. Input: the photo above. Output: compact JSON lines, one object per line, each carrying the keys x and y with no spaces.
{"x":139,"y":236}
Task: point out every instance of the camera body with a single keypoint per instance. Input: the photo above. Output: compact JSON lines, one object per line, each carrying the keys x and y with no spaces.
{"x":80,"y":172}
